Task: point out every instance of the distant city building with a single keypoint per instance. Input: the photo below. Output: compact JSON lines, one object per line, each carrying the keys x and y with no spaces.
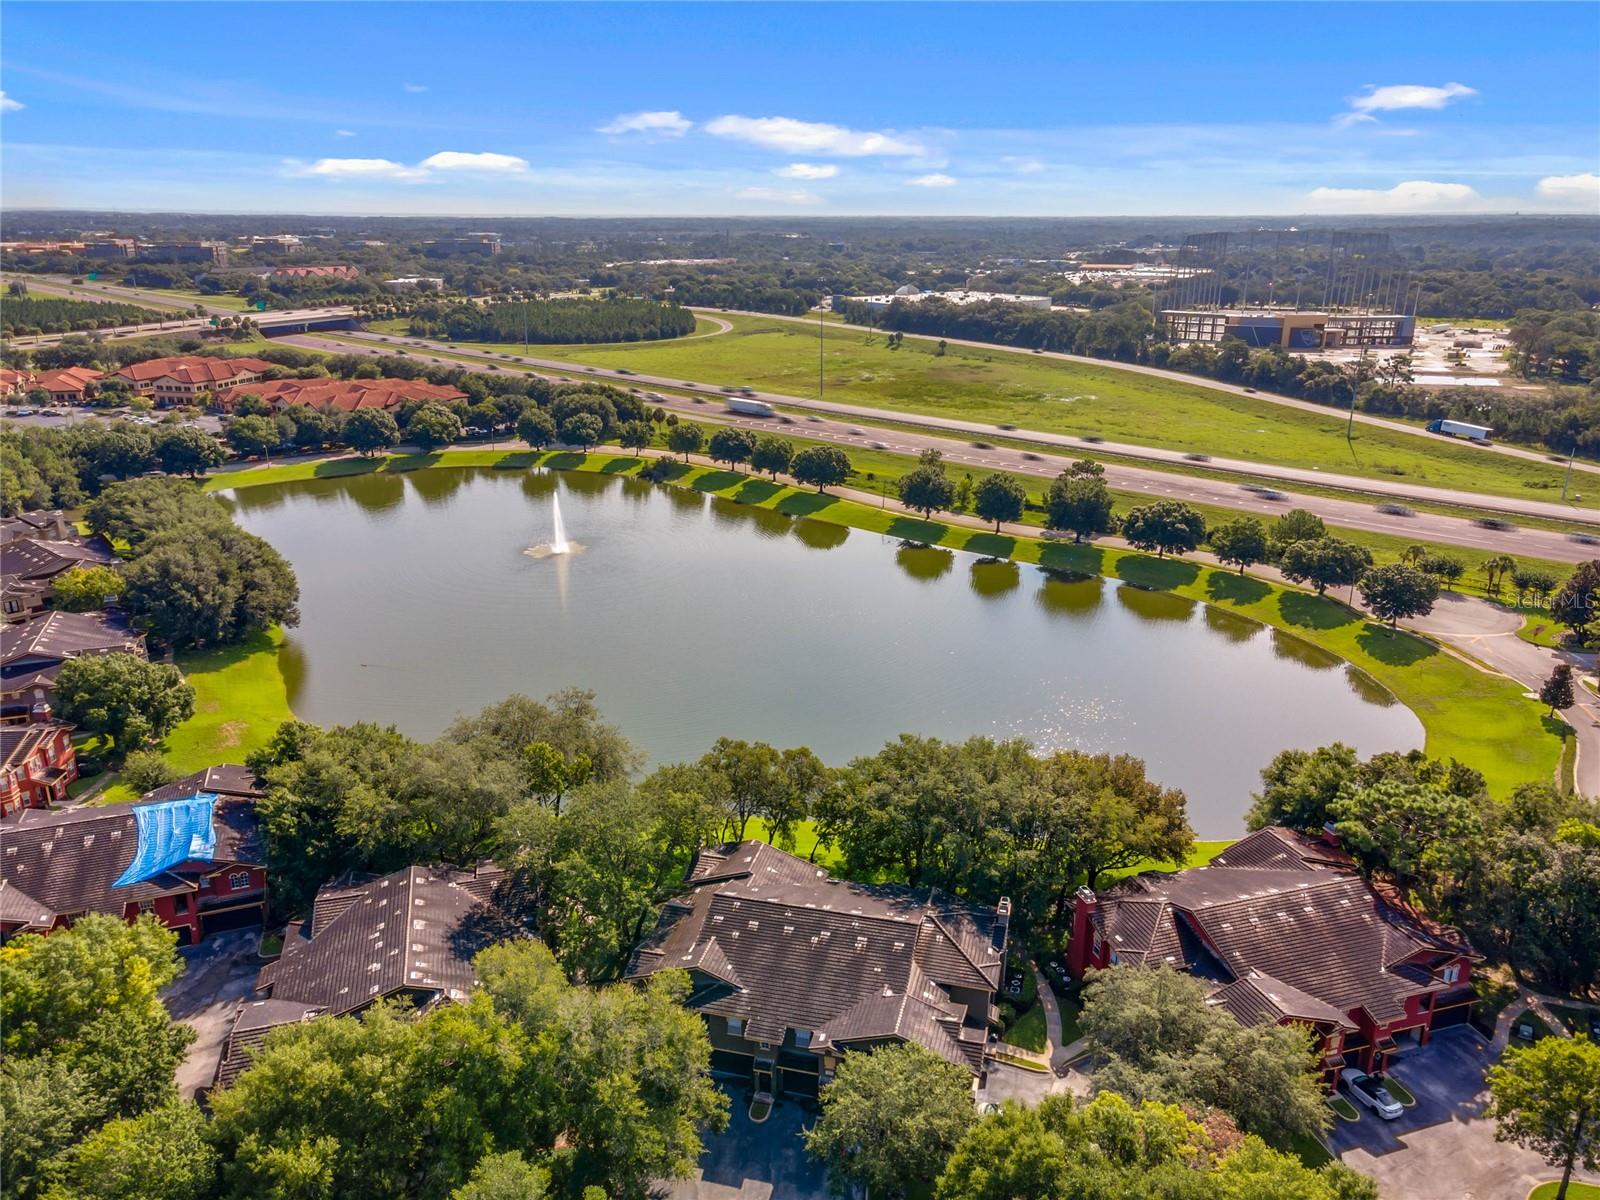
{"x":1290,"y":330}
{"x":415,"y":283}
{"x":334,"y":271}
{"x":275,"y":243}
{"x":42,"y":247}
{"x":111,"y":248}
{"x":479,"y":245}
{"x":910,"y":294}
{"x":215,"y":253}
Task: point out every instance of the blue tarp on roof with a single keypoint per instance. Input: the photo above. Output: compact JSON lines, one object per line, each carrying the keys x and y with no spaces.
{"x":171,"y":832}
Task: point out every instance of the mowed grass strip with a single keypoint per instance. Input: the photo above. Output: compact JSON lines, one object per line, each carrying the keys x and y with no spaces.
{"x":997,"y":386}
{"x":1484,"y":720}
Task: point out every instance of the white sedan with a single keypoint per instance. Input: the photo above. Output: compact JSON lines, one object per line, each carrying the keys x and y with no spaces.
{"x":1369,"y":1090}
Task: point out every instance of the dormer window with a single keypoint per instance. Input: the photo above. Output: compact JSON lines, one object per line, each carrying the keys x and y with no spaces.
{"x":1451,"y":974}
{"x":802,"y":1038}
{"x":736,"y":1026}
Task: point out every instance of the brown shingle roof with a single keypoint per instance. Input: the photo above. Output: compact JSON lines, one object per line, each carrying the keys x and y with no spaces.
{"x":35,"y":558}
{"x":776,"y":942}
{"x":61,"y":635}
{"x":411,"y":932}
{"x":225,"y":779}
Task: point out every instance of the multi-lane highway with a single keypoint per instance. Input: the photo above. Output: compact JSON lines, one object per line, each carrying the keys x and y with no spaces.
{"x":912,"y":434}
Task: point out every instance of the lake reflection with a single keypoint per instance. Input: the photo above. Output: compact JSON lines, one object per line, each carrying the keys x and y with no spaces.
{"x":695,"y":617}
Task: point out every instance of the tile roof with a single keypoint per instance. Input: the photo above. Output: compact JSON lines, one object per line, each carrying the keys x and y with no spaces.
{"x":67,"y":379}
{"x":413,"y":932}
{"x":1301,"y":919}
{"x":37,"y":558}
{"x":251,"y":1024}
{"x":226,"y":779}
{"x":345,"y":395}
{"x":66,"y":861}
{"x":776,"y":942}
{"x":194,"y":368}
{"x":19,"y":742}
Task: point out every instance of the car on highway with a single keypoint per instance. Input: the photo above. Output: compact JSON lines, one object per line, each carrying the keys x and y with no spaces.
{"x":983,"y":445}
{"x":1248,"y":391}
{"x":1369,"y":1091}
{"x":1583,"y":539}
{"x":1271,"y":494}
{"x":1395,"y":510}
{"x":1007,"y":428}
{"x":814,"y":418}
{"x":857,"y":432}
{"x":1031,"y":456}
{"x":879,"y":446}
{"x":1494,"y":523}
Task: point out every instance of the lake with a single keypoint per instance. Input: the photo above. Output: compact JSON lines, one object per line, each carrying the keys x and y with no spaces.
{"x":693,"y":617}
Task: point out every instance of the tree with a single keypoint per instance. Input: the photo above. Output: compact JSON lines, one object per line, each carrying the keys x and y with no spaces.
{"x":1079,"y":503}
{"x":1158,"y":1040}
{"x":890,"y":1120}
{"x":772,"y":454}
{"x":926,"y":488}
{"x":1419,"y":831}
{"x":582,"y":429}
{"x":253,"y":437}
{"x":1012,"y":1153}
{"x":185,"y":450}
{"x":1495,"y":571}
{"x":685,"y":439}
{"x":140,"y":509}
{"x":1299,"y":787}
{"x":1165,"y":526}
{"x":85,"y":589}
{"x":506,"y":1176}
{"x":368,"y":430}
{"x":824,"y":466}
{"x":131,"y":701}
{"x":536,"y":428}
{"x":1546,"y":1098}
{"x":1394,"y":591}
{"x":1241,"y":541}
{"x":732,"y":446}
{"x":752,"y":780}
{"x":161,"y":1154}
{"x":1325,"y":562}
{"x":432,"y":426}
{"x":202,"y":586}
{"x":146,"y":770}
{"x":999,"y":498}
{"x":1557,"y":691}
{"x":1577,"y":604}
{"x":1443,"y":568}
{"x":1296,"y":525}
{"x":1539,"y":584}
{"x":1085,"y":468}
{"x":635,"y":436}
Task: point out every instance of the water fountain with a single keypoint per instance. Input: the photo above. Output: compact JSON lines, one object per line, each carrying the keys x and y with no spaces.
{"x":558,"y":544}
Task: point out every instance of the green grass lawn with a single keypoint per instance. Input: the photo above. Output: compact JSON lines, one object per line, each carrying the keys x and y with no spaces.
{"x":223,"y":300}
{"x":1576,"y":1190}
{"x":1344,"y":1108}
{"x":240,"y":700}
{"x":1202,"y":853}
{"x":1399,"y":1091}
{"x":1030,"y":1032}
{"x":1307,"y":1149}
{"x":1008,"y":387}
{"x":1539,"y":628}
{"x":1480,"y":719}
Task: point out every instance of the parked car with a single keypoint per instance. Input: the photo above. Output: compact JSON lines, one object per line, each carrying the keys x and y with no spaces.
{"x":1369,"y":1090}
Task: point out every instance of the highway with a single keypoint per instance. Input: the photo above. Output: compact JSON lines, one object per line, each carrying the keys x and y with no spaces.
{"x":829,"y":422}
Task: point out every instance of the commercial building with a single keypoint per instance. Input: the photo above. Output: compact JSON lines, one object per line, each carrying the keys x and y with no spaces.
{"x":1285,"y":930}
{"x":181,"y":378}
{"x":334,"y":271}
{"x":215,"y":253}
{"x":1290,"y":330}
{"x":344,"y":395}
{"x":792,"y":969}
{"x":913,"y":295}
{"x":69,"y":385}
{"x":472,"y":245}
{"x":415,"y":283}
{"x":111,"y":248}
{"x":195,"y":863}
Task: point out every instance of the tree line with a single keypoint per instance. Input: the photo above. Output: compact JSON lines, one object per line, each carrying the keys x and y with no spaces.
{"x":558,"y":321}
{"x":25,"y":315}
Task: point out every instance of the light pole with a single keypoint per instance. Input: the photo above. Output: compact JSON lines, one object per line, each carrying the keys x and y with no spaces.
{"x":819,"y":350}
{"x":1567,"y":479}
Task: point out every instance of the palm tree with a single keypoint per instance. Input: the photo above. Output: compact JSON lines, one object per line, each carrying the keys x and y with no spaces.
{"x":1495,"y":570}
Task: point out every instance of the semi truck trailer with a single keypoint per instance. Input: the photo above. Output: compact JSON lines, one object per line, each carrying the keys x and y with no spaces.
{"x":1478,"y":433}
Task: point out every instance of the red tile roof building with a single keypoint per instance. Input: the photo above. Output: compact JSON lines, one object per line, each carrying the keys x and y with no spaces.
{"x":339,"y":271}
{"x":1288,"y":932}
{"x":179,"y":379}
{"x":344,"y":395}
{"x":70,"y":385}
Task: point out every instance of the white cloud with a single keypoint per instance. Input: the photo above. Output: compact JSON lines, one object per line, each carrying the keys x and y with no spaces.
{"x":415,"y":88}
{"x":1408,"y":95}
{"x":485,"y":162}
{"x":813,"y":137}
{"x":936,"y":180}
{"x":1581,"y":190}
{"x":7,"y":104}
{"x":779,"y":195}
{"x":344,"y":133}
{"x":1415,"y":195}
{"x":807,"y":171}
{"x":1023,"y":166}
{"x":354,"y":168}
{"x":662,"y":124}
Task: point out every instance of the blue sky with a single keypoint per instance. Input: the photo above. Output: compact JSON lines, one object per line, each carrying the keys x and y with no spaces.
{"x":690,"y":109}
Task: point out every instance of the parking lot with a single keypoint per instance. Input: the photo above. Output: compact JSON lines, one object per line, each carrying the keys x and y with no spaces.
{"x":750,"y":1161}
{"x":220,"y":972}
{"x":59,"y":416}
{"x":1444,"y":1147}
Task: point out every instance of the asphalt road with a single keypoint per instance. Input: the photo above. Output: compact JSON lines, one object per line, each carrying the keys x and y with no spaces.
{"x":1456,"y":531}
{"x":1194,"y":381}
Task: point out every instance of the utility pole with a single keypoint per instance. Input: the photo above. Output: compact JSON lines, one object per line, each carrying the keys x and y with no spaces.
{"x":1567,"y":479}
{"x":819,"y":349}
{"x":1355,"y":386}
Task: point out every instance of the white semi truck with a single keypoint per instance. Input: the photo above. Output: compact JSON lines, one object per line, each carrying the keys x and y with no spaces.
{"x":1478,"y":433}
{"x":750,"y":408}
